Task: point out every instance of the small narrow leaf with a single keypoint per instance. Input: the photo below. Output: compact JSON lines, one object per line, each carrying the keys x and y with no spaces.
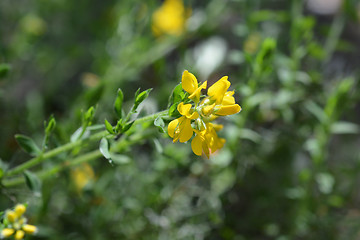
{"x":159,"y":122}
{"x":109,"y":127}
{"x":142,"y":96}
{"x":50,"y":126}
{"x":127,"y":126}
{"x":118,"y":103}
{"x":28,"y":145}
{"x":32,"y":181}
{"x":104,"y":148}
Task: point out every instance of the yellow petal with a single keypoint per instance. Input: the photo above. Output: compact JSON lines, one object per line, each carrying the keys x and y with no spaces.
{"x":228,"y":110}
{"x":29,"y":228}
{"x":207,"y":110}
{"x":228,"y":98}
{"x":218,"y":89}
{"x":196,"y":145}
{"x":172,"y":127}
{"x":184,"y":109}
{"x":19,"y":234}
{"x":7,"y":232}
{"x":11,"y":216}
{"x":20,"y":209}
{"x":189,"y":82}
{"x":186,"y":131}
{"x":217,"y":127}
{"x":195,"y":96}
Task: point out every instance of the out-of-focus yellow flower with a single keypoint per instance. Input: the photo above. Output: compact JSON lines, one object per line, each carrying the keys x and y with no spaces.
{"x":15,"y":224}
{"x":170,"y":18}
{"x":252,"y":43}
{"x":82,"y":175}
{"x":196,"y":118}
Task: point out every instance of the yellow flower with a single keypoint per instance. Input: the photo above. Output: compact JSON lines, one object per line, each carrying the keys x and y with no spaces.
{"x":197,"y":116}
{"x":180,"y":128}
{"x":16,"y":225}
{"x":19,"y":234}
{"x":190,"y":84}
{"x":20,"y":209}
{"x":207,"y":141}
{"x":11,"y":216}
{"x":170,"y":18}
{"x":82,"y":175}
{"x":30,"y":229}
{"x":7,"y":232}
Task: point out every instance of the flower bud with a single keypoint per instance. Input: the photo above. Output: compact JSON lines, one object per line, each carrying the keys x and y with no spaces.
{"x":20,"y":209}
{"x":7,"y":232}
{"x":29,"y":228}
{"x":19,"y":234}
{"x":11,"y":216}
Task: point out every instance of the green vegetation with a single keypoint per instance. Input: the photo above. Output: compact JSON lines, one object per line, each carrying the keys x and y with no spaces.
{"x":88,"y":88}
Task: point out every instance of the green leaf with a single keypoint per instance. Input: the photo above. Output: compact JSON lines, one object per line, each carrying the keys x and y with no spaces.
{"x":344,"y":128}
{"x":50,"y":126}
{"x":173,"y":112}
{"x":28,"y":145}
{"x":127,"y":126}
{"x":159,"y":122}
{"x":118,"y":103}
{"x":104,"y":148}
{"x":32,"y":181}
{"x":89,"y":115}
{"x":140,"y":97}
{"x":176,"y":94}
{"x":120,"y":158}
{"x":109,"y":127}
{"x":79,"y":134}
{"x":4,"y":69}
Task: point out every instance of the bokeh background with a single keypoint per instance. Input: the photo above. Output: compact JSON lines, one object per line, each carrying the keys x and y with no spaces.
{"x":290,"y":167}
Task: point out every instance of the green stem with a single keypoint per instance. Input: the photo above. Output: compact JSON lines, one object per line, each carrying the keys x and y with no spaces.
{"x":52,"y":153}
{"x":120,"y":146}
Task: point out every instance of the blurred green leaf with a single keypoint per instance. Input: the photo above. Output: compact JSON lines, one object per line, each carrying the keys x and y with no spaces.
{"x":50,"y":126}
{"x":344,"y":128}
{"x":28,"y":145}
{"x":118,"y":103}
{"x":104,"y":148}
{"x":33,"y":182}
{"x":119,"y":158}
{"x":109,"y":127}
{"x":4,"y":69}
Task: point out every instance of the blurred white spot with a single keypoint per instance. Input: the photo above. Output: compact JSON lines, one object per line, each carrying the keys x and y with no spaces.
{"x":209,"y":55}
{"x":324,"y":6}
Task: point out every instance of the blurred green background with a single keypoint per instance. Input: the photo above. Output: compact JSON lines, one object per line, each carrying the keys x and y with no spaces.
{"x":290,"y":167}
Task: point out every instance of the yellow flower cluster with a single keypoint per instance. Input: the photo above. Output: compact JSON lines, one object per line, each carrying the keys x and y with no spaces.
{"x":170,"y":18}
{"x":15,"y":223}
{"x":197,"y":116}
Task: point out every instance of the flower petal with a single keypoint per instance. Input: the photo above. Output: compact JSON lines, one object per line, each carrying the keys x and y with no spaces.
{"x":218,"y":89}
{"x":228,"y":110}
{"x":196,"y":145}
{"x":195,"y":96}
{"x":189,"y":82}
{"x":186,"y":131}
{"x":184,"y":109}
{"x":7,"y":232}
{"x":29,"y":228}
{"x":172,"y":127}
{"x":228,"y":98}
{"x":19,"y":234}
